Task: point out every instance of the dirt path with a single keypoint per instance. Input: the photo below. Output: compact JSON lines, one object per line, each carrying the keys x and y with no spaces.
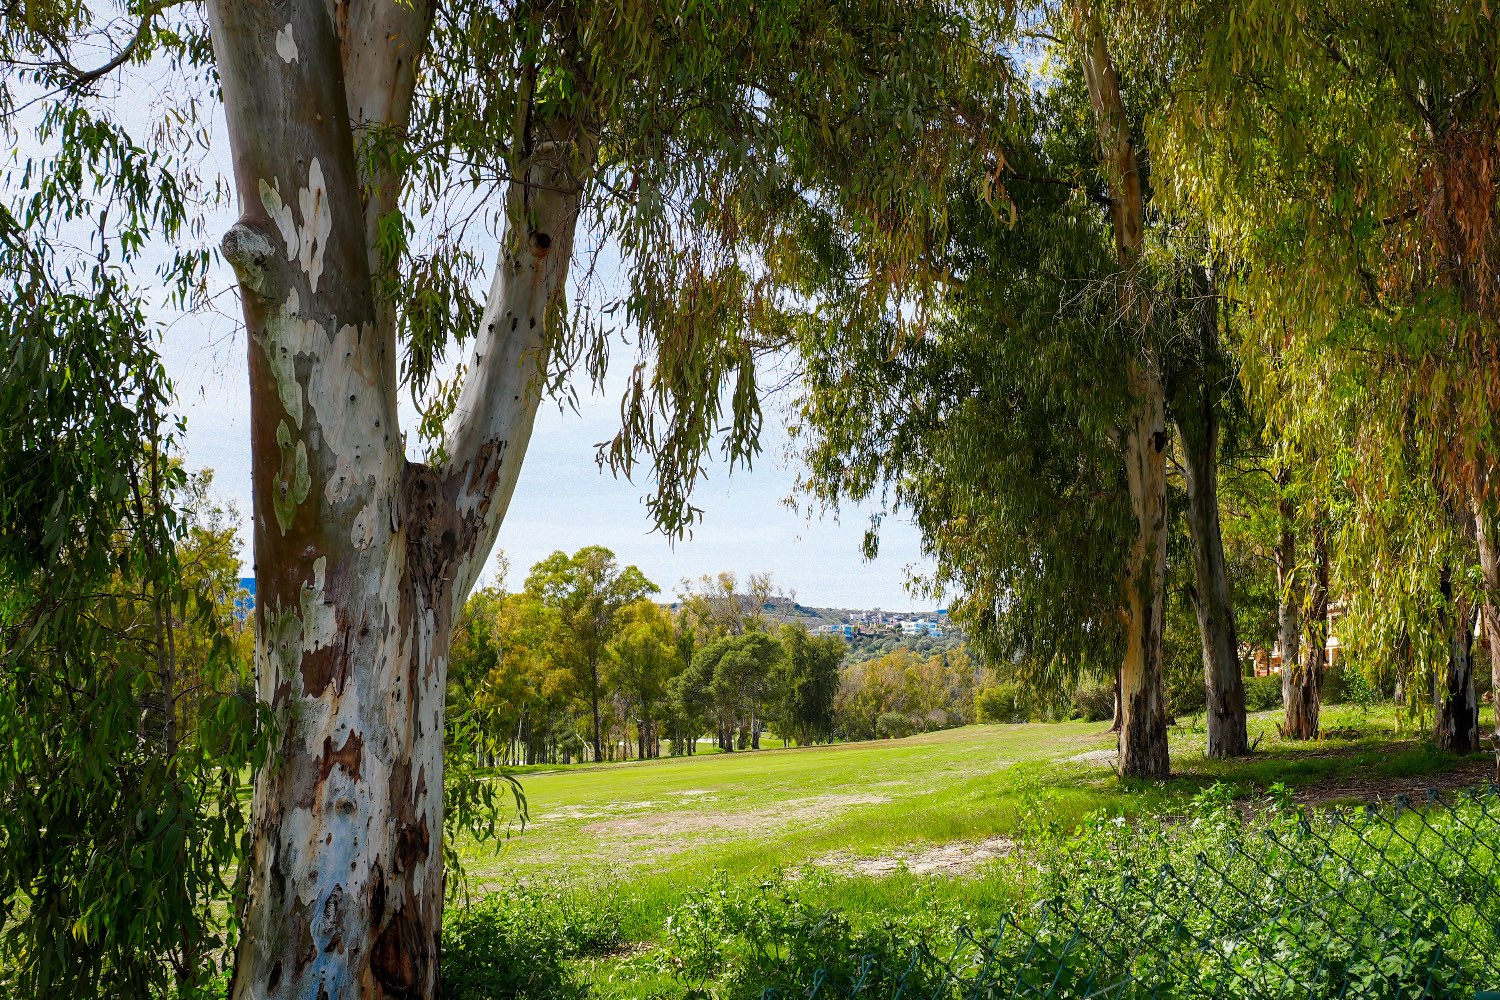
{"x":955,"y":859}
{"x":1477,"y":772}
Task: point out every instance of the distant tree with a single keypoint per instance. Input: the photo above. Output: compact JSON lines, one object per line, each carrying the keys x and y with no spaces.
{"x":644,"y":658}
{"x":587,"y":591}
{"x":806,"y":683}
{"x":728,"y":682}
{"x":715,"y":605}
{"x":924,"y":693}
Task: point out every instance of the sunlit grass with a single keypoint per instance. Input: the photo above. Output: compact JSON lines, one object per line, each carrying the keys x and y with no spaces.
{"x":659,"y":828}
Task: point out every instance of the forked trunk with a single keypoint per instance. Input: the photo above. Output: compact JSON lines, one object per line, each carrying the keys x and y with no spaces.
{"x":362,"y":558}
{"x":1223,"y":683}
{"x":1304,"y":682}
{"x":1456,"y":708}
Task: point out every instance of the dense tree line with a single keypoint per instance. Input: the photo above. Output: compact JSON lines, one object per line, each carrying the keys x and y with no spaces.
{"x":1224,"y":364}
{"x":582,"y":664}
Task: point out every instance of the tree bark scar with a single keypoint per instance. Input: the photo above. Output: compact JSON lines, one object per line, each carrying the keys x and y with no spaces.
{"x":413,"y":841}
{"x":349,"y":757}
{"x":398,"y":958}
{"x":377,"y":893}
{"x":319,"y":670}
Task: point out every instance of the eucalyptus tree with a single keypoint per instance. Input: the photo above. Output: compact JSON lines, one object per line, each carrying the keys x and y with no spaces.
{"x":994,"y":430}
{"x":373,"y":143}
{"x":588,"y":592}
{"x":1355,"y":178}
{"x":643,"y":660}
{"x":1072,"y":344}
{"x":121,"y":709}
{"x":120,"y":799}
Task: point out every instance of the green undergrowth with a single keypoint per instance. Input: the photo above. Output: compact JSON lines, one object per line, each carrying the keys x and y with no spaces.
{"x":1214,"y":902}
{"x":648,"y":840}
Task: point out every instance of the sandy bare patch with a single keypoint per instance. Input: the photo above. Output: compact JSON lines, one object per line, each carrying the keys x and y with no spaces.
{"x":678,"y":823}
{"x":595,"y":812}
{"x":1099,"y":758}
{"x":955,"y":859}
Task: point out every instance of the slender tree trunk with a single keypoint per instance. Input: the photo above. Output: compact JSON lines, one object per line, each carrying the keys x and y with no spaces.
{"x":1306,"y":680}
{"x":1223,"y":683}
{"x":1489,"y":609}
{"x":1456,"y":708}
{"x":1143,"y":729}
{"x":1288,"y":624}
{"x":1143,"y":732}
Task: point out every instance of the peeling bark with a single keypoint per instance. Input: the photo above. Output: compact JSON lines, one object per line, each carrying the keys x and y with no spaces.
{"x":1143,"y":725}
{"x":1303,"y":681}
{"x":1143,"y":730}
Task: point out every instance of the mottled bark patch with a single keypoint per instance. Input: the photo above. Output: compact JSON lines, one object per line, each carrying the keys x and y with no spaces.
{"x":348,"y":757}
{"x":399,"y":959}
{"x":413,"y":843}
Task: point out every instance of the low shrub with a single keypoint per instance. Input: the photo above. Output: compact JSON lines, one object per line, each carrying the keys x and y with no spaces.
{"x":1346,"y":684}
{"x":1094,"y":702}
{"x":1001,"y":703}
{"x":894,"y":725}
{"x":733,"y":941}
{"x":515,"y":944}
{"x":1262,"y":693}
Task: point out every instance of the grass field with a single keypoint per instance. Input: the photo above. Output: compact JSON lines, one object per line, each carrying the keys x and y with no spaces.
{"x":926,"y":821}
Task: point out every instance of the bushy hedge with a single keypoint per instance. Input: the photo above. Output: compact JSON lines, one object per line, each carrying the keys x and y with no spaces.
{"x":1094,"y":702}
{"x":1262,"y":693}
{"x":1002,"y":703}
{"x":516,"y":943}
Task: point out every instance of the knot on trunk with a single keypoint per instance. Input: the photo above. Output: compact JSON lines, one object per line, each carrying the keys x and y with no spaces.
{"x":248,"y":250}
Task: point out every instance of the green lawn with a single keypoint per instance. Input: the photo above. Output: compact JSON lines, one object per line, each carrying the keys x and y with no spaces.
{"x":649,"y":832}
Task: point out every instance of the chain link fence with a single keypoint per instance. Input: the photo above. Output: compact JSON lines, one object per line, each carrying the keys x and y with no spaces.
{"x":1396,"y":901}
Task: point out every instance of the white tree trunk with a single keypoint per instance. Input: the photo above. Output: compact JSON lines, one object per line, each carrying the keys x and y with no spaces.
{"x":362,"y":558}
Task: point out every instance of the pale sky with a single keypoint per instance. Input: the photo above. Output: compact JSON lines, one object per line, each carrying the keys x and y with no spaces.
{"x":563,"y":500}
